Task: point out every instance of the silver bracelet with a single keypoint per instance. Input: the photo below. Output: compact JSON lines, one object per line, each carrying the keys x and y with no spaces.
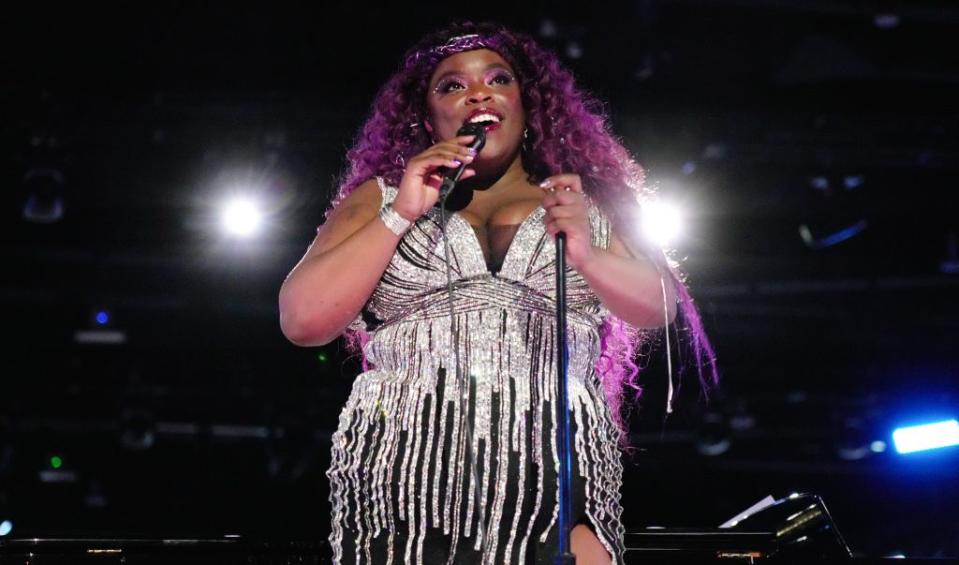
{"x":394,"y":221}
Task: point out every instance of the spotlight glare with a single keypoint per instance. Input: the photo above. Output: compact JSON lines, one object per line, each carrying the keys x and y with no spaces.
{"x":662,"y":222}
{"x":547,"y":28}
{"x":926,"y":436}
{"x":241,"y":218}
{"x":851,"y":182}
{"x":6,"y":527}
{"x":819,"y":182}
{"x":886,"y":20}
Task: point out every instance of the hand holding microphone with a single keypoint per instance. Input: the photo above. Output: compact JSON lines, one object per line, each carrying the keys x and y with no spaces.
{"x":478,"y":131}
{"x":425,"y":173}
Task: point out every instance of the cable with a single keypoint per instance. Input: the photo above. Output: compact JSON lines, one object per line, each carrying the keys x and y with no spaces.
{"x":669,"y":356}
{"x":659,"y":265}
{"x":657,"y":257}
{"x":454,"y":336}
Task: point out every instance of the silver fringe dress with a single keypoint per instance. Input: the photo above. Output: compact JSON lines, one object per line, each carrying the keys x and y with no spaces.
{"x":407,"y":484}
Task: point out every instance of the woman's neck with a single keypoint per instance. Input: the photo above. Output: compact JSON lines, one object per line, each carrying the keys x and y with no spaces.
{"x":494,"y":185}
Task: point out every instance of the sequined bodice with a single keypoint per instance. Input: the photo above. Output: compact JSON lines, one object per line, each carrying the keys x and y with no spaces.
{"x":477,"y":363}
{"x":414,"y":287}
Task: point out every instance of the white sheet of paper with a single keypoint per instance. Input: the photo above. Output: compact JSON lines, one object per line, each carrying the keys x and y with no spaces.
{"x":769,"y":500}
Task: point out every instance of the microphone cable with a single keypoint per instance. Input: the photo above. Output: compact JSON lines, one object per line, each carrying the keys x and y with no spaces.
{"x":448,"y":184}
{"x":465,"y":386}
{"x":657,"y":257}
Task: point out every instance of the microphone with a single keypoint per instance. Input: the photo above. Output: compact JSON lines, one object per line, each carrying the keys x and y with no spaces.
{"x":451,"y":177}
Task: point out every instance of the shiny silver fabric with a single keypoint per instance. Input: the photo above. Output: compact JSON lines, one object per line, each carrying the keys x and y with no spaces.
{"x":397,"y":467}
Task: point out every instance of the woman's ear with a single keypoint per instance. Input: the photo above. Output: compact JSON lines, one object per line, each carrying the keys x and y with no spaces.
{"x":429,"y":130}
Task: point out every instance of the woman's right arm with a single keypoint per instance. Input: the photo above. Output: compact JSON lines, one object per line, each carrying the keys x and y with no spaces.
{"x":326,"y":290}
{"x":334,"y":279}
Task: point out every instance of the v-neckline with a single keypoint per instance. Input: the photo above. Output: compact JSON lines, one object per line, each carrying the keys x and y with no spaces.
{"x":507,"y":257}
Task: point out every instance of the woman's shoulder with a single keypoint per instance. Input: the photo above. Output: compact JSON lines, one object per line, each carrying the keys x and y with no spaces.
{"x":371,"y":193}
{"x":356,"y":207}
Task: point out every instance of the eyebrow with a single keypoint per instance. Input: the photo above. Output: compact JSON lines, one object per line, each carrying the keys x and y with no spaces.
{"x":487,"y":69}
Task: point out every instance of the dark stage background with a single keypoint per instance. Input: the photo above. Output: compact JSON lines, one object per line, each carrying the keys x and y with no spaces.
{"x":764,"y":119}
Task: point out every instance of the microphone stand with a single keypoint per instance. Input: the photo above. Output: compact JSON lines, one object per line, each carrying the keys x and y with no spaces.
{"x":563,"y":554}
{"x":564,"y":453}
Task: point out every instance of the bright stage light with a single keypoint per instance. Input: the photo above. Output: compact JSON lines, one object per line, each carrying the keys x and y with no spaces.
{"x":927,"y":436}
{"x":241,"y":218}
{"x":662,"y":222}
{"x":6,"y":527}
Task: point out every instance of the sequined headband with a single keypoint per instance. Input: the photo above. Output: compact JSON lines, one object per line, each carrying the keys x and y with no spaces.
{"x":455,"y":45}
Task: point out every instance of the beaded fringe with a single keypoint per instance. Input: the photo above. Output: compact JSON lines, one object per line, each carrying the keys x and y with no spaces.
{"x":399,"y":471}
{"x":381,"y":430}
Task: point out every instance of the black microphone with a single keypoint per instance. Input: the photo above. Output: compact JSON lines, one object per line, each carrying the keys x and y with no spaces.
{"x":451,"y":177}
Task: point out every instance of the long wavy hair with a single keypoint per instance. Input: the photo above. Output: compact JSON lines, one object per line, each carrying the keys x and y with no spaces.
{"x":567,"y":133}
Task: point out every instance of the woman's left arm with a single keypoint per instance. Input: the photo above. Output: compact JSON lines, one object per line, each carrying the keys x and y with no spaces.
{"x":630,"y":287}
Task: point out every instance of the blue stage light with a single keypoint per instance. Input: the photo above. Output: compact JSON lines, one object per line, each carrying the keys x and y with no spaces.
{"x":103,"y":317}
{"x":926,"y":436}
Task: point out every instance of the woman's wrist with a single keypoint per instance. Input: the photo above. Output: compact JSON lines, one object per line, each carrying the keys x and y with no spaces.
{"x":394,"y":220}
{"x":409,"y":215}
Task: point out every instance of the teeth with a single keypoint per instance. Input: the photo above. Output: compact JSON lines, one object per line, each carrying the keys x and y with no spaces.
{"x":484,"y":118}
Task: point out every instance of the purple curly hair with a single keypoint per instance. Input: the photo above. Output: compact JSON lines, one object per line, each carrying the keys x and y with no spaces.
{"x":568,"y":132}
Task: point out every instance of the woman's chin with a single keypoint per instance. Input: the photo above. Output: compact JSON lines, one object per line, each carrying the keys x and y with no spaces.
{"x":495,"y":154}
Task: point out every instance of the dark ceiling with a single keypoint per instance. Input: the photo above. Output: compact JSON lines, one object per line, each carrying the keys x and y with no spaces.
{"x":735,"y":108}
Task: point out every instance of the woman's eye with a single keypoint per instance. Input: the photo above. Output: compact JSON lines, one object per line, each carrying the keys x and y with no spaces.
{"x":502,"y":79}
{"x":448,"y":87}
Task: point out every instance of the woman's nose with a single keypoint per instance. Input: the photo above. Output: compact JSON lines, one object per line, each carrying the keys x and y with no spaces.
{"x":479,"y":94}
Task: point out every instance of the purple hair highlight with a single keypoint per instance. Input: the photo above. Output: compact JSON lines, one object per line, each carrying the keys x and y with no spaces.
{"x":567,"y":132}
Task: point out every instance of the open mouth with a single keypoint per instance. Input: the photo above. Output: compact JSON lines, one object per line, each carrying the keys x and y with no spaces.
{"x":489,"y":119}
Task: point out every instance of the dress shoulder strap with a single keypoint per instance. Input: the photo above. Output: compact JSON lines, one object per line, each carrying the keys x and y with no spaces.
{"x":599,"y":225}
{"x":388,"y":192}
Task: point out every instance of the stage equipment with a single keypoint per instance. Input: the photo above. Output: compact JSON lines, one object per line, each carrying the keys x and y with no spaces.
{"x":795,"y":529}
{"x":927,"y":436}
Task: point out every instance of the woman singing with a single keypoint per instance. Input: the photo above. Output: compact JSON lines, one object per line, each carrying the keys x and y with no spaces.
{"x":445,"y":450}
